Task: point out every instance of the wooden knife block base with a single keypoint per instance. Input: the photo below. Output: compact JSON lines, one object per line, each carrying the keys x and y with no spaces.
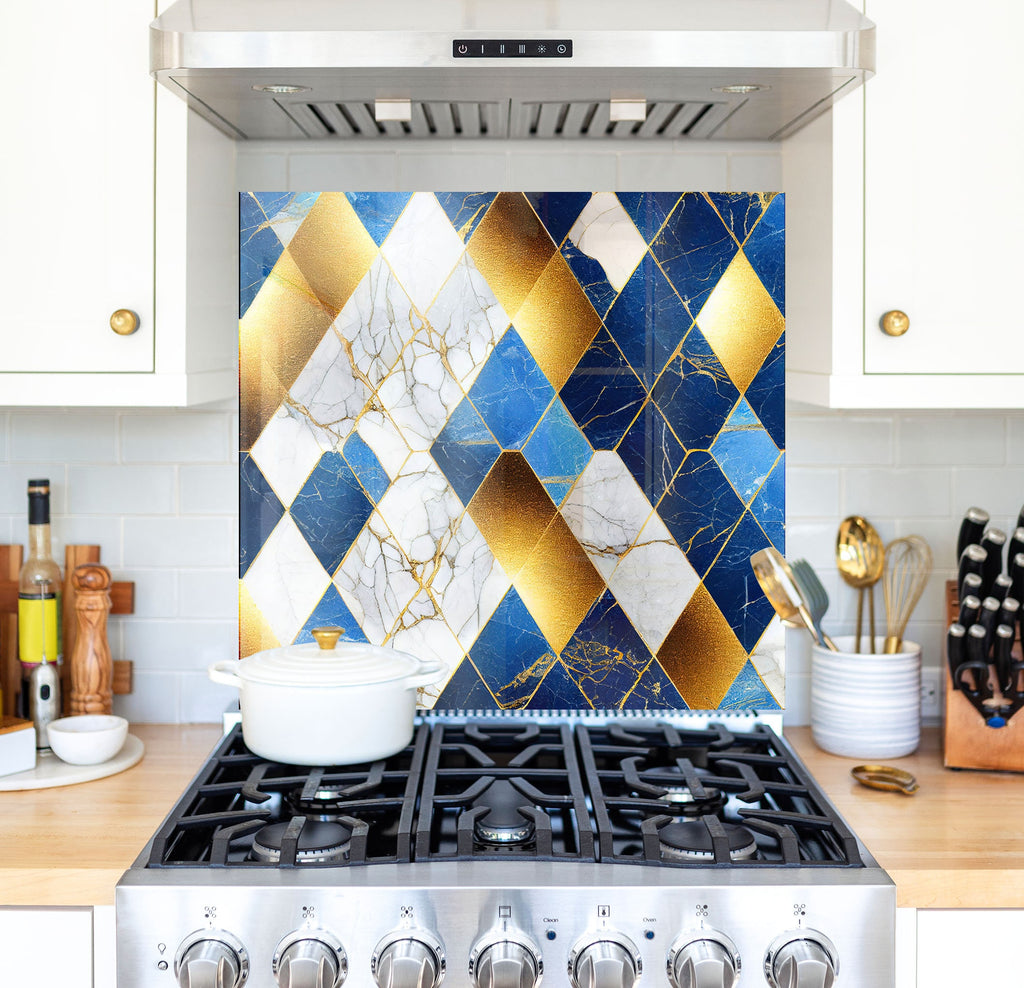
{"x":968,"y":742}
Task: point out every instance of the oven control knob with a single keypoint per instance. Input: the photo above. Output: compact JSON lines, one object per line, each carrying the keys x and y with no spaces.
{"x":211,"y":959}
{"x":801,"y":959}
{"x":606,"y":961}
{"x":707,"y":961}
{"x":505,"y":961}
{"x":310,"y":959}
{"x":410,"y":959}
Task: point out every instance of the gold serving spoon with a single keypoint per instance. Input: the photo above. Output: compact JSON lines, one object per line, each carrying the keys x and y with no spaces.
{"x":860,"y":558}
{"x":776,"y":580}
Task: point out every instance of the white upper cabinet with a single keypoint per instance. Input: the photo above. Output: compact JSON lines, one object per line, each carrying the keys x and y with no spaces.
{"x":903,"y":201}
{"x":97,"y":171}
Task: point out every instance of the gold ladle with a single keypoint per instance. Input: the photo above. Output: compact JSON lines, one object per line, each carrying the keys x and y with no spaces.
{"x":860,"y":558}
{"x":776,"y":580}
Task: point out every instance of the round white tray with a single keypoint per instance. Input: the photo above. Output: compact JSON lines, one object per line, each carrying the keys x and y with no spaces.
{"x":50,"y":771}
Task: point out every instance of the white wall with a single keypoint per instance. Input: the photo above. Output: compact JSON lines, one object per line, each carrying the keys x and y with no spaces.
{"x":158,"y":490}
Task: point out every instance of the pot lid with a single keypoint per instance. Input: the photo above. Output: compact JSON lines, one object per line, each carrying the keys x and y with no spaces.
{"x":329,"y":662}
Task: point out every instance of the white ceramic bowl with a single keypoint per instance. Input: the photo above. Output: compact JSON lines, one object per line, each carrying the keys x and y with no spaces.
{"x":88,"y":739}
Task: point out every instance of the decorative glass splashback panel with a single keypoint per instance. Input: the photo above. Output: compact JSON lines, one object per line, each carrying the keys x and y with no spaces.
{"x":535,"y":435}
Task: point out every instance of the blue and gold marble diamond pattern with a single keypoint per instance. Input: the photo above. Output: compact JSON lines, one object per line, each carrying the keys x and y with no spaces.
{"x":534,"y":435}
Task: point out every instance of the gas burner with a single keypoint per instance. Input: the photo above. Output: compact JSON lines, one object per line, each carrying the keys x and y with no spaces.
{"x":502,"y":823}
{"x":319,"y":843}
{"x":682,"y":801}
{"x":691,"y":842}
{"x":326,"y":803}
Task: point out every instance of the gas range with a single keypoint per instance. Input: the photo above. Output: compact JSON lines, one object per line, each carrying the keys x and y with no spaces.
{"x":589,"y":851}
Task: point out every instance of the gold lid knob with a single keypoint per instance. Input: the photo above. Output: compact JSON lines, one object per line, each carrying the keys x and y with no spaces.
{"x":327,"y":638}
{"x":124,"y":322}
{"x":895,"y":322}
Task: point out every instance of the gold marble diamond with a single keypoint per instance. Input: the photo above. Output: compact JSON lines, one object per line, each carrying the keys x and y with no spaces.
{"x":511,"y":248}
{"x":254,"y":634}
{"x":557,"y":321}
{"x":512,"y":510}
{"x":702,"y":655}
{"x":740,"y":321}
{"x":558,"y":583}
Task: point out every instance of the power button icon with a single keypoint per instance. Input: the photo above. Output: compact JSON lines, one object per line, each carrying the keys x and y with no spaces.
{"x":463,"y":49}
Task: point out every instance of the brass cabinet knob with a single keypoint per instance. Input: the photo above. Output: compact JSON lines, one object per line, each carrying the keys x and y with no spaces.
{"x":124,"y":322}
{"x":895,"y":323}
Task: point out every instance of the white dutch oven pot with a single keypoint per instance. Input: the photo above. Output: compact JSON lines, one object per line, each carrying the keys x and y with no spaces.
{"x":327,"y":703}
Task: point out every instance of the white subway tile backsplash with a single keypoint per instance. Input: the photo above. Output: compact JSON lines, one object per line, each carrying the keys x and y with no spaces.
{"x":83,"y":437}
{"x":337,"y":172}
{"x":456,"y":170}
{"x":812,"y":540}
{"x":812,"y":492}
{"x":209,"y":490}
{"x":261,"y":171}
{"x":203,"y":701}
{"x":14,"y":478}
{"x":178,"y":646}
{"x":755,"y":172}
{"x":179,"y":542}
{"x":1015,"y":439}
{"x":154,"y":699}
{"x":156,"y":591}
{"x":668,"y":172}
{"x":540,"y":172}
{"x":174,"y":437}
{"x":208,"y":593}
{"x":119,"y":489}
{"x":926,"y":440}
{"x":849,"y":441}
{"x":999,"y":490}
{"x":917,"y":493}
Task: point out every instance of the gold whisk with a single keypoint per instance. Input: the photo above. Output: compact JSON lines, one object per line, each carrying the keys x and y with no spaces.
{"x":908,"y":564}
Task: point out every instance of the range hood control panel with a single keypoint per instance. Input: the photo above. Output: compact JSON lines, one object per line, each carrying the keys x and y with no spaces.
{"x":515,"y":48}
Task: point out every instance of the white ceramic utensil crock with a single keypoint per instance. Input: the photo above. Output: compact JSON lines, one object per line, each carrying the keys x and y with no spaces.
{"x":327,"y":703}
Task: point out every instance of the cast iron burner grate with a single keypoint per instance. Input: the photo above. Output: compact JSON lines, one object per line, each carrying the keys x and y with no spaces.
{"x":622,"y":792}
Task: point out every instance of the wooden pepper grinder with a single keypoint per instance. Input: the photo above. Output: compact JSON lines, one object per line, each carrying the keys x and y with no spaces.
{"x":92,"y":670}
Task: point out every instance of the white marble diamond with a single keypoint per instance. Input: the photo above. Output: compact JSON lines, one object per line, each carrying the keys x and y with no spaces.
{"x":469,"y":582}
{"x":375,"y":580}
{"x":286,"y":452}
{"x":329,"y":393}
{"x":469,"y":319}
{"x":653,"y":582}
{"x":377,"y":321}
{"x":377,"y":430}
{"x":605,"y":232}
{"x":422,"y":511}
{"x":420,"y":393}
{"x":605,"y":510}
{"x":286,"y":580}
{"x":422,"y":631}
{"x":422,"y":248}
{"x":287,"y":220}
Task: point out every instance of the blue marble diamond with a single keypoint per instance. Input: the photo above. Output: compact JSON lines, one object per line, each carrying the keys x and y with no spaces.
{"x":606,"y":656}
{"x":466,"y":691}
{"x":511,"y":392}
{"x":465,"y":450}
{"x":654,"y":691}
{"x":558,"y":210}
{"x":648,"y":320}
{"x":700,"y":509}
{"x":331,"y":510}
{"x":734,"y":588}
{"x":748,"y":692}
{"x":651,"y":452}
{"x":766,"y":250}
{"x":694,"y":247}
{"x":259,"y":511}
{"x":740,"y":211}
{"x":557,"y":691}
{"x":465,"y":209}
{"x":557,"y":451}
{"x":511,"y":653}
{"x":648,"y":210}
{"x":603,"y":394}
{"x":331,"y":612}
{"x":767,"y":393}
{"x":378,"y":211}
{"x":366,"y":466}
{"x":258,"y":249}
{"x":695,"y":394}
{"x":745,"y":452}
{"x":590,"y":274}
{"x":769,"y":507}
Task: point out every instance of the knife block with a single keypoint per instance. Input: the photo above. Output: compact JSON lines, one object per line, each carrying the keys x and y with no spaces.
{"x":968,"y":742}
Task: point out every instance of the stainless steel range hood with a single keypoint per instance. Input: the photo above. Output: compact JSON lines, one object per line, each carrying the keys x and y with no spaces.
{"x":491,"y":69}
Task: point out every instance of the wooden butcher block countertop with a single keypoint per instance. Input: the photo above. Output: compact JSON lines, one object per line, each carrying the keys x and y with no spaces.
{"x":958,"y":843}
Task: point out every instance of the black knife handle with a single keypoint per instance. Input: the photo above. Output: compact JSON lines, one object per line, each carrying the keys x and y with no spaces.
{"x":1017,"y":576}
{"x":956,"y":651}
{"x":1009,"y":612}
{"x":1001,"y":587}
{"x":977,"y":659}
{"x":993,"y":542}
{"x":1016,"y":545}
{"x":1005,"y":635}
{"x":981,"y":690}
{"x":988,"y":619}
{"x":971,"y":587}
{"x":1020,"y":518}
{"x":972,"y":560}
{"x":975,"y":520}
{"x":970,"y":608}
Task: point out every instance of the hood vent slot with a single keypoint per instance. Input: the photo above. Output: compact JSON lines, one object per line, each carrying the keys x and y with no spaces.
{"x":354,"y":119}
{"x":573,"y":119}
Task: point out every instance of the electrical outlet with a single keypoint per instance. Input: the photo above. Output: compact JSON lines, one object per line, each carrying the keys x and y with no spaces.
{"x":931,"y":694}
